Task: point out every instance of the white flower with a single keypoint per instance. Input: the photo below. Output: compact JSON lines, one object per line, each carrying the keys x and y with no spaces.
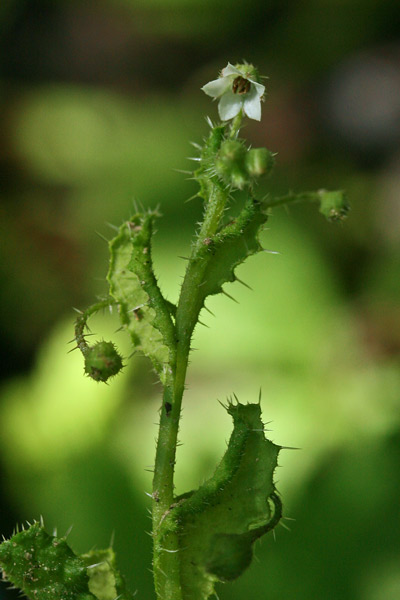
{"x":237,"y":91}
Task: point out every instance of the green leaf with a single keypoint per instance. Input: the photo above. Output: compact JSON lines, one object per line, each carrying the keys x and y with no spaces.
{"x":143,"y":310}
{"x":230,"y":247}
{"x":218,"y":523}
{"x":105,"y":582}
{"x":214,"y":260}
{"x":44,"y":567}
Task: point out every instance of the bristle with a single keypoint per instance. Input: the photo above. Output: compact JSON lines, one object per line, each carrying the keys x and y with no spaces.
{"x":183,"y":171}
{"x":76,"y":348}
{"x":192,"y":198}
{"x":270,"y":251}
{"x":113,"y":227}
{"x":243,"y":283}
{"x":229,"y":296}
{"x":204,"y":324}
{"x":208,"y":310}
{"x":102,"y":236}
{"x":68,"y":531}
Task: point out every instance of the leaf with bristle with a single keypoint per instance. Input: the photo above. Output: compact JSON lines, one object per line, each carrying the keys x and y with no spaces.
{"x":218,"y":256}
{"x":105,"y":582}
{"x":44,"y":566}
{"x":142,"y":308}
{"x":232,"y":245}
{"x":218,"y":524}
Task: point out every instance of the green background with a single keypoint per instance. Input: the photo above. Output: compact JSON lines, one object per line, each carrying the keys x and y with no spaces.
{"x":99,"y":101}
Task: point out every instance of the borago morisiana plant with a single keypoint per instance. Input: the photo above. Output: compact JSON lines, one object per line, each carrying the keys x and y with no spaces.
{"x":204,"y":536}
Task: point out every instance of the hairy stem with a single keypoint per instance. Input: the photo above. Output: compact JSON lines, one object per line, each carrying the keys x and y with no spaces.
{"x":291,"y":198}
{"x":236,"y":124}
{"x":166,"y":560}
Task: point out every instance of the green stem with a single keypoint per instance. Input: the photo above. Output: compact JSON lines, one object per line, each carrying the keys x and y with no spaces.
{"x":166,"y":563}
{"x":81,"y":322}
{"x":291,"y":198}
{"x":236,"y":125}
{"x":333,"y":204}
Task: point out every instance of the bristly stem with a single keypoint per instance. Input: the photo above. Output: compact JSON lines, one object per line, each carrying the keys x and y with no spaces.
{"x":292,"y":198}
{"x":166,"y":563}
{"x":236,"y":125}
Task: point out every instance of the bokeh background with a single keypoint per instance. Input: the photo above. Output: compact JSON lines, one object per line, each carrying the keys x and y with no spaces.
{"x":99,"y":100}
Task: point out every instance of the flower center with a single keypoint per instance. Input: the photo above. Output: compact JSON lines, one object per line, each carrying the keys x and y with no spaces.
{"x":240,"y":85}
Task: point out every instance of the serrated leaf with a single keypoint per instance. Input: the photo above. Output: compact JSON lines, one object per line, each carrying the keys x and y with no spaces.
{"x":231,"y":246}
{"x":214,"y":260}
{"x":143,"y":310}
{"x":105,"y":582}
{"x":44,"y":567}
{"x":218,"y":524}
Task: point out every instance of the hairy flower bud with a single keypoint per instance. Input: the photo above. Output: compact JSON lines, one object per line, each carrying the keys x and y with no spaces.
{"x":102,"y":361}
{"x":230,"y":163}
{"x":259,"y":161}
{"x":334,"y":205}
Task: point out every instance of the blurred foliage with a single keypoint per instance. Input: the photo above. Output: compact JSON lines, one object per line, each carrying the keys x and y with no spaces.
{"x":98,"y":103}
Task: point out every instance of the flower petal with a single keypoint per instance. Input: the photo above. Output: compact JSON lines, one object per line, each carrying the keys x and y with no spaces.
{"x":230,"y":70}
{"x":216,"y":88}
{"x":229,"y":105}
{"x":252,"y":104}
{"x":259,"y":87}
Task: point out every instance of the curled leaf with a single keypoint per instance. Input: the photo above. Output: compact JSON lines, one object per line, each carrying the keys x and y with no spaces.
{"x":133,"y":286}
{"x":218,"y":523}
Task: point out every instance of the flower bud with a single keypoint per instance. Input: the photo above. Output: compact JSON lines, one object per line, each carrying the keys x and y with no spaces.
{"x":102,"y":361}
{"x":232,"y":152}
{"x":259,"y":161}
{"x":230,"y":163}
{"x":334,"y":205}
